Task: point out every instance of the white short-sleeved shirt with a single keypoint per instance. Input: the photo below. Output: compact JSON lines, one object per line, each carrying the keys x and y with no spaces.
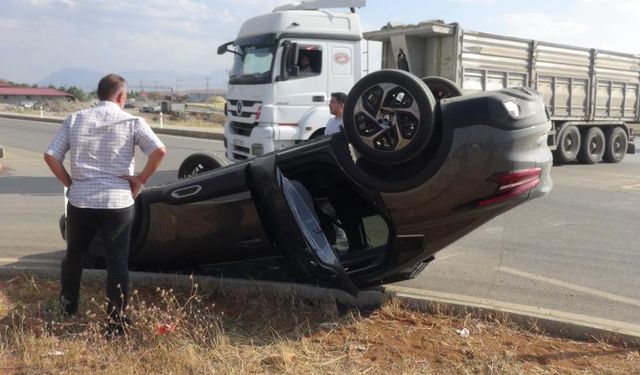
{"x":333,"y":126}
{"x":101,"y":145}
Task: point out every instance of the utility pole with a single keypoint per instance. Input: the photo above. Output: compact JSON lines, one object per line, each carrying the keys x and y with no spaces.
{"x":207,"y":78}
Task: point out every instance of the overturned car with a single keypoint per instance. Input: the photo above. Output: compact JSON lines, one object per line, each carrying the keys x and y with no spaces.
{"x":408,"y":176}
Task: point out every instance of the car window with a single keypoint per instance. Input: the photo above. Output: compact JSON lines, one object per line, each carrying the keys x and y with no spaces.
{"x":376,"y":230}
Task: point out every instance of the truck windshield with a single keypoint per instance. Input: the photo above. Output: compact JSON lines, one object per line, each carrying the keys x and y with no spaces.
{"x":252,"y":64}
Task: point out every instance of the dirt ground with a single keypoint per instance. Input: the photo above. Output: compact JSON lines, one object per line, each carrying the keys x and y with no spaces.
{"x":203,"y":330}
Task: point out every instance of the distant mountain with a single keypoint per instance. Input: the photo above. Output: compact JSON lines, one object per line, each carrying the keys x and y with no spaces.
{"x":137,"y":79}
{"x":83,"y":78}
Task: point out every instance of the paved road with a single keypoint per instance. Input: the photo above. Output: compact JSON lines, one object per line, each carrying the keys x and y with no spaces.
{"x":576,"y":250}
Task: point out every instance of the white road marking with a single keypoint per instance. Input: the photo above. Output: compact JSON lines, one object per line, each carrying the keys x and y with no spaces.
{"x":595,"y":292}
{"x":447,"y":256}
{"x":5,"y":261}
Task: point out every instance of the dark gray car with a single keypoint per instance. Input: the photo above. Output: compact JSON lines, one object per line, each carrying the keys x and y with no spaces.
{"x":408,"y":176}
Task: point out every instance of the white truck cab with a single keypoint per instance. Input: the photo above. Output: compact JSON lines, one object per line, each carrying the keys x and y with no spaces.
{"x":272,"y":101}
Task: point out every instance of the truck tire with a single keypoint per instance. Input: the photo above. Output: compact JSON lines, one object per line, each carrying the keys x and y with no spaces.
{"x":568,"y":145}
{"x":198,"y":163}
{"x":592,"y":146}
{"x":389,"y":116}
{"x":317,"y":134}
{"x":442,"y":88}
{"x":616,"y":145}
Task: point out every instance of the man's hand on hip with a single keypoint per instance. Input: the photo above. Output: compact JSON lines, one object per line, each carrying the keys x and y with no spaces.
{"x":135,"y":183}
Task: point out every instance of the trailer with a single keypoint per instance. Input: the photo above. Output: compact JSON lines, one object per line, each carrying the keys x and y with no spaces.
{"x":592,"y":95}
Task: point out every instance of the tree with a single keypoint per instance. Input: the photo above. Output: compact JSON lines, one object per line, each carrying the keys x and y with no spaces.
{"x":78,"y":93}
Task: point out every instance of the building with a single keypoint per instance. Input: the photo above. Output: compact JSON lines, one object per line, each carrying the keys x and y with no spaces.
{"x":28,"y":96}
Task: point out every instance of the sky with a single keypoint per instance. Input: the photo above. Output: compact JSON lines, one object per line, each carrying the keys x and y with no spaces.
{"x":39,"y":37}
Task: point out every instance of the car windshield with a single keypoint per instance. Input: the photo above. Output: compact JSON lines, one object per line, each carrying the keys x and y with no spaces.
{"x":252,"y":64}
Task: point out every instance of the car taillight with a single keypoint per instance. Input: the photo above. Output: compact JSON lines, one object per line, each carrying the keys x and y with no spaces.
{"x":512,"y":184}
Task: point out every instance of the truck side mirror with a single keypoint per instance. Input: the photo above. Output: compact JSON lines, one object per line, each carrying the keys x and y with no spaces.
{"x":224,"y":48}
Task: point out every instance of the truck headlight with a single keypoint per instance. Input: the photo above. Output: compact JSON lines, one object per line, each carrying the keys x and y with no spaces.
{"x":257,"y":149}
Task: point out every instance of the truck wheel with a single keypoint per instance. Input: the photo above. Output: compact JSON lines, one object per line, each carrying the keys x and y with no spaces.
{"x":389,"y":116}
{"x":198,"y":163}
{"x":592,"y":147}
{"x":568,"y":145}
{"x":442,"y":88}
{"x":317,"y":134}
{"x":616,"y":145}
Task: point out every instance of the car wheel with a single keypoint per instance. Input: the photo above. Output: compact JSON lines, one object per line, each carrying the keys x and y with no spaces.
{"x":94,"y":258}
{"x":198,"y":163}
{"x":616,"y":146}
{"x":568,"y":145}
{"x":442,"y":88}
{"x":389,"y":116}
{"x":63,"y":226}
{"x":592,"y":146}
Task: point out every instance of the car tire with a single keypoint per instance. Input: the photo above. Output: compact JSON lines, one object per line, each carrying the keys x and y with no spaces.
{"x":616,"y":145}
{"x":94,"y":257}
{"x":198,"y":163}
{"x":442,"y":88}
{"x":63,"y":226}
{"x":592,"y":146}
{"x":389,"y":116}
{"x":568,"y":145}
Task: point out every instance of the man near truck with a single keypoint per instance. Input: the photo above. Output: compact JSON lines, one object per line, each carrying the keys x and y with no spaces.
{"x":336,"y":108}
{"x":102,"y":187}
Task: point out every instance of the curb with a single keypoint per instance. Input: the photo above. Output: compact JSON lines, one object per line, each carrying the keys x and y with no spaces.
{"x":539,"y":320}
{"x":205,"y":134}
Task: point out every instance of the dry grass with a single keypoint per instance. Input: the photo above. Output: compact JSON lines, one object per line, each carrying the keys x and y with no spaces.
{"x":206,"y":331}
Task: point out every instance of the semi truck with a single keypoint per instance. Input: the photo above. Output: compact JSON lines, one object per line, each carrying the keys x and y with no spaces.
{"x":592,"y":96}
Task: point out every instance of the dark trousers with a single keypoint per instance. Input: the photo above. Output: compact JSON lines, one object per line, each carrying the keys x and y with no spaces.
{"x":114,"y":226}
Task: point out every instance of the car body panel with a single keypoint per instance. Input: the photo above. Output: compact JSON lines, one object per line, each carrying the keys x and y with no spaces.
{"x":319,"y":213}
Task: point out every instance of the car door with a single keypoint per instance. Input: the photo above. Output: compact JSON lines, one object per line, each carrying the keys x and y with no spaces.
{"x":288,"y":216}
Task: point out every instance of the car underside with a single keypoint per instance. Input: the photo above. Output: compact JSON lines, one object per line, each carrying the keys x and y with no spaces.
{"x":371,"y":205}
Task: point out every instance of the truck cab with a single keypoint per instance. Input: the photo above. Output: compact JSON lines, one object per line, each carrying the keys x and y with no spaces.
{"x":272,"y":100}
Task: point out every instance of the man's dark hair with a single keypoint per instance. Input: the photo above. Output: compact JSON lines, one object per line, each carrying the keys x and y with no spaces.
{"x":109,"y":86}
{"x":340,"y":97}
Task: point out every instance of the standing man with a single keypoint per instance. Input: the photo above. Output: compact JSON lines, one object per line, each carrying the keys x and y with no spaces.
{"x":336,"y":108}
{"x":102,"y":186}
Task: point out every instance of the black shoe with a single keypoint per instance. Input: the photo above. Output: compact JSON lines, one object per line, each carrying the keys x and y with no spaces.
{"x":68,"y":308}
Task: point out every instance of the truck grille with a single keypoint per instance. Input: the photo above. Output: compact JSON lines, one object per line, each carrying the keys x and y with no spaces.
{"x":246,"y":103}
{"x":244,"y":114}
{"x":237,"y":156}
{"x":242,"y":128}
